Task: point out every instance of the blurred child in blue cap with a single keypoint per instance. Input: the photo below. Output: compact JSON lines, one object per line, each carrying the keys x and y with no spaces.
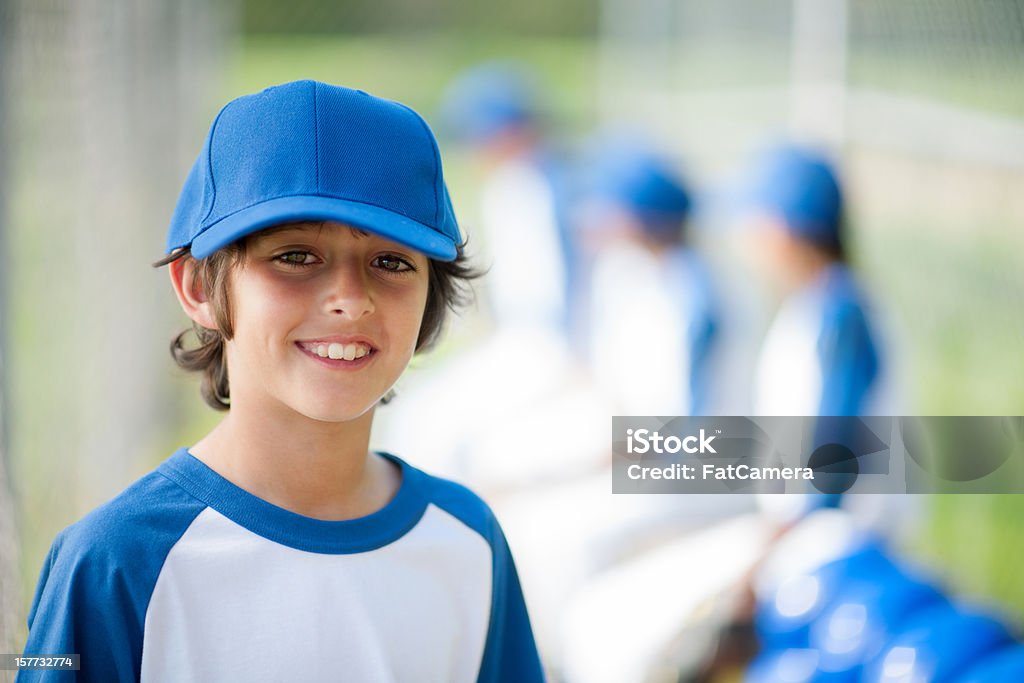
{"x":496,"y":110}
{"x":653,"y":320}
{"x":820,"y":356}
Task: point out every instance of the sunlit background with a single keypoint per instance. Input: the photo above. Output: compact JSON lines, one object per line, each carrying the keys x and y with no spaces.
{"x":104,"y":105}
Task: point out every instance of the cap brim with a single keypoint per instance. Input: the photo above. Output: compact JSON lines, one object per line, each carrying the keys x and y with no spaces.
{"x":392,"y":226}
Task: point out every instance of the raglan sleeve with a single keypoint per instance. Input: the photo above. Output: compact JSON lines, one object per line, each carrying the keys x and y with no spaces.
{"x":82,"y":606}
{"x":510,"y":653}
{"x":849,"y":362}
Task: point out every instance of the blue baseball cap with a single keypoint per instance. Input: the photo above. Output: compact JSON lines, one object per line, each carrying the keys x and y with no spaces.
{"x":800,"y":186}
{"x":311,"y":151}
{"x":628,"y":173}
{"x":487,"y":100}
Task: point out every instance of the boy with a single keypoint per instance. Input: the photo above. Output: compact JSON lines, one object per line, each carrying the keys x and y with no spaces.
{"x":820,"y":356}
{"x":315,"y":249}
{"x":646,"y":281}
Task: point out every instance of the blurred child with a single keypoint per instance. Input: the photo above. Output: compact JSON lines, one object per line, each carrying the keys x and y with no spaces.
{"x":820,"y":356}
{"x":495,"y":109}
{"x":653,"y":319}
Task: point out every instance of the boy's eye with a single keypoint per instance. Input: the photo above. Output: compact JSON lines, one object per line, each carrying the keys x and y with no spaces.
{"x":392,"y":263}
{"x":297,"y":258}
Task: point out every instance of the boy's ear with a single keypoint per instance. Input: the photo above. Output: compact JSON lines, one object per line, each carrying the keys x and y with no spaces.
{"x":191,"y":295}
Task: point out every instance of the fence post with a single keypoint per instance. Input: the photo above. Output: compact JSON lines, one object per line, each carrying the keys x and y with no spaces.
{"x":10,"y":585}
{"x":818,"y":67}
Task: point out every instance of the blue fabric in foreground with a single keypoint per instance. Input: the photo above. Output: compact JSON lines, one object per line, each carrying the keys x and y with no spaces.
{"x":510,"y":654}
{"x":92,"y":597}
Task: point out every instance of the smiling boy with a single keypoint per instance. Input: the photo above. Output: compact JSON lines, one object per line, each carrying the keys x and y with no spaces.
{"x":315,"y":249}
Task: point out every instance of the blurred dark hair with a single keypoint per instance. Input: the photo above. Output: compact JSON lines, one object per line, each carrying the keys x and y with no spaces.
{"x":448,"y":289}
{"x":836,"y":250}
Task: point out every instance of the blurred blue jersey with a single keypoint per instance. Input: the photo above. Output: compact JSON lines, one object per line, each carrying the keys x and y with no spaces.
{"x":653,"y":330}
{"x":695,"y":291}
{"x":820,"y":356}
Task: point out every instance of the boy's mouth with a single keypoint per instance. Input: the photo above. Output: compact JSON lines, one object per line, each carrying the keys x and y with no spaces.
{"x":337,"y":351}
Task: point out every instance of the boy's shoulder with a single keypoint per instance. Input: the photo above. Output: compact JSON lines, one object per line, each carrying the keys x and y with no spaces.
{"x":151,"y":512}
{"x":459,"y":501}
{"x":106,"y":563}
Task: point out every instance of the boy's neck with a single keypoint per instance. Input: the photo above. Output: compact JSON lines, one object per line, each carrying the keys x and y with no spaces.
{"x":317,"y":469}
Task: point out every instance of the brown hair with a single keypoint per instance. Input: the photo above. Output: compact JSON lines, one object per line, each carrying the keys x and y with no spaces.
{"x":448,"y":289}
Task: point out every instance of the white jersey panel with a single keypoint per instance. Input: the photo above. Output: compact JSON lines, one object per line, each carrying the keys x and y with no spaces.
{"x":789,"y":373}
{"x":231,"y":605}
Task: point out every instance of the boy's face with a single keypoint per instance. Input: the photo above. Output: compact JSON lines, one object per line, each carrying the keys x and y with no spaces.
{"x":775,"y":254}
{"x":325,"y":319}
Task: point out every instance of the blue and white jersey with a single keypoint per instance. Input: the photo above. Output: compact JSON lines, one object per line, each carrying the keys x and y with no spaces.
{"x":653,"y":330}
{"x":820,"y":356}
{"x":186,"y":577}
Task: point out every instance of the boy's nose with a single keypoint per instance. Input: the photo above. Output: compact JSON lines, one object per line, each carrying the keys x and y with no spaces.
{"x":349,"y":294}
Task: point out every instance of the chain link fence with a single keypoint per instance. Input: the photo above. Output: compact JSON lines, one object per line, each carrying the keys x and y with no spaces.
{"x":105,"y":102}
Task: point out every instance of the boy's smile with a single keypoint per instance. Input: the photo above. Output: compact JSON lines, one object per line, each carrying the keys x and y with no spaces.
{"x":339,"y":352}
{"x":325,"y":317}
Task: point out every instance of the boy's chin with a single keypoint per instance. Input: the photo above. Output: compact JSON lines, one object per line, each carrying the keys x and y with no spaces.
{"x":336,"y":412}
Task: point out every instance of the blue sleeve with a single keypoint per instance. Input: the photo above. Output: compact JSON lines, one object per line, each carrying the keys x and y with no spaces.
{"x":510,"y":654}
{"x":81,"y":606}
{"x":849,"y":361}
{"x":849,"y":365}
{"x":96,"y":583}
{"x":701,"y":334}
{"x":510,"y":651}
{"x":692,"y":283}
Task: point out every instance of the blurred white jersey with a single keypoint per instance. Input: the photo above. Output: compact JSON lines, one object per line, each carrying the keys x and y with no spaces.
{"x":639,"y":356}
{"x":788,"y":378}
{"x":527,"y":272}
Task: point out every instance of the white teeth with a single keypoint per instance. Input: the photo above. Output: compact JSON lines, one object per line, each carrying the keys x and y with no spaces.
{"x":337,"y":351}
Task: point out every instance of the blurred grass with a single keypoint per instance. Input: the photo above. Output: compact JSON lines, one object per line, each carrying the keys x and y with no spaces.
{"x":958,"y":306}
{"x":959,"y":300}
{"x":415,"y":68}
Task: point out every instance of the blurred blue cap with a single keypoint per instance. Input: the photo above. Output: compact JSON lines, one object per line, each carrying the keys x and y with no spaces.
{"x":939,"y":644}
{"x":631,"y":175}
{"x":1005,"y":665}
{"x":798,"y":185}
{"x":864,"y":616}
{"x":793,"y":665}
{"x":311,"y":151}
{"x":488,"y":99}
{"x":785,"y":618}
